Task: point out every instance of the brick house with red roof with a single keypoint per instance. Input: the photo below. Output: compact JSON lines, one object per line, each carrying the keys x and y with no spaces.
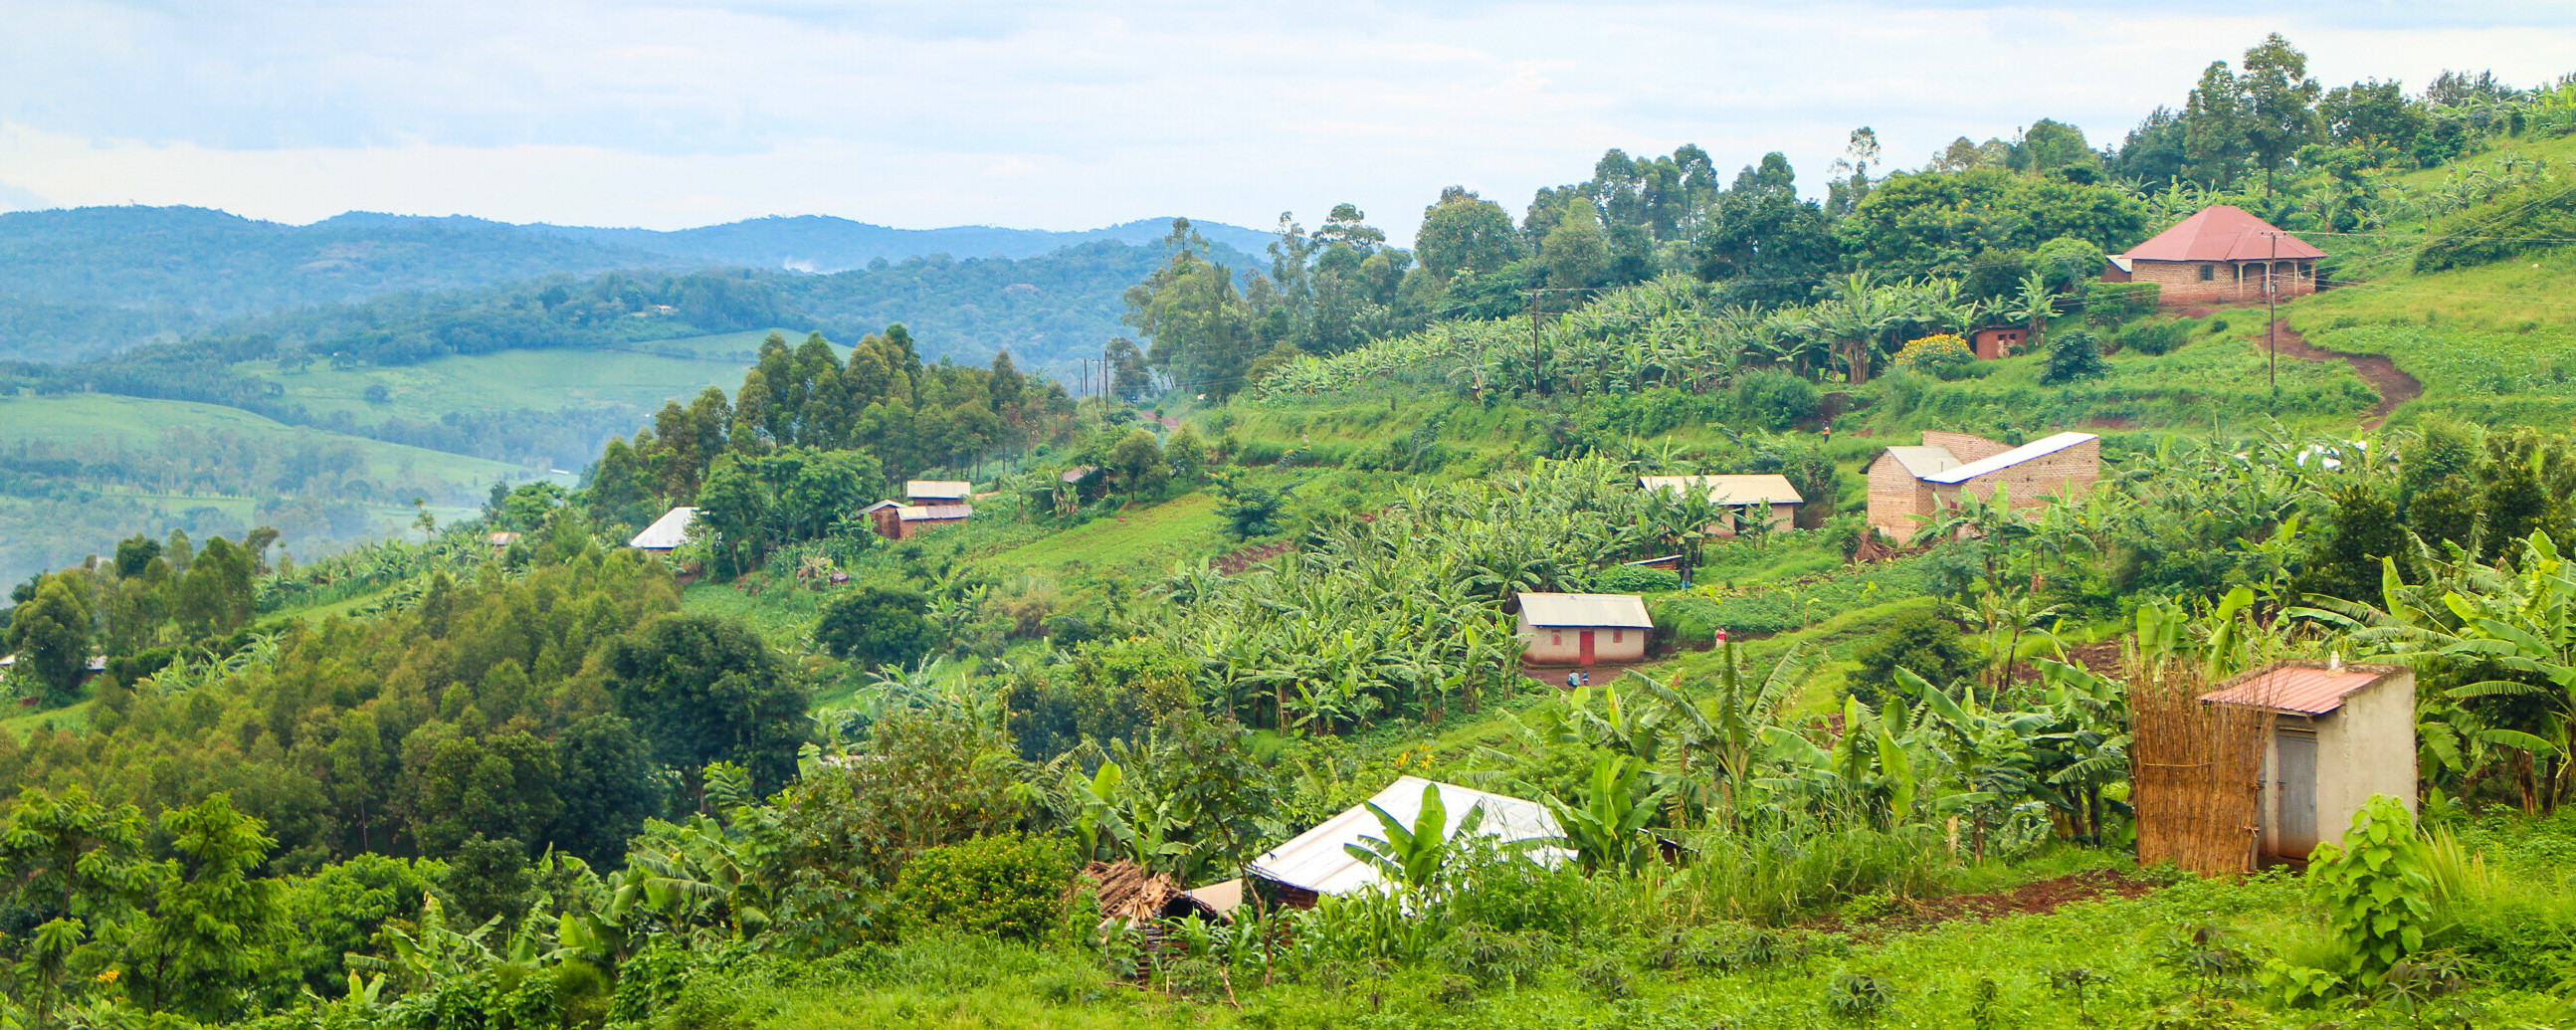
{"x":2222,"y":254}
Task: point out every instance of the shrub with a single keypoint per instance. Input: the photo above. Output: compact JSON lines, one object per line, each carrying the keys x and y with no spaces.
{"x":1921,"y":642}
{"x":1635,"y":579}
{"x":1775,"y":397}
{"x":2153,"y":337}
{"x":876,"y":626}
{"x":1938,"y":355}
{"x":2072,"y":357}
{"x":2378,"y":898}
{"x":1008,"y":885}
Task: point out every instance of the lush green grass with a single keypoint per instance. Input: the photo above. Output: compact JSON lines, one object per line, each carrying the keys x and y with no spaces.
{"x":2006,"y":972}
{"x":636,"y":377}
{"x":140,"y":422}
{"x":1181,"y":528}
{"x":2495,"y":343}
{"x":20,"y":722}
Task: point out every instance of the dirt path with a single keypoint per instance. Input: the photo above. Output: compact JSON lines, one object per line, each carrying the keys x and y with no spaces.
{"x":2030,"y":899}
{"x":2381,"y":372}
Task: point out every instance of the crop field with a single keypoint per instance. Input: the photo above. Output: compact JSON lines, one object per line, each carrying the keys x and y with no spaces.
{"x":1161,"y":533}
{"x":638,"y":377}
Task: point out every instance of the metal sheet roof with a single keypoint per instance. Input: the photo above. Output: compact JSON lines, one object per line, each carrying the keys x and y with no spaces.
{"x":1613,"y":610}
{"x":1318,"y":861}
{"x":1736,"y":490}
{"x":933,"y":512}
{"x":667,"y":532}
{"x":938,"y":488}
{"x":2222,"y":232}
{"x":2298,"y":689}
{"x":1921,"y":461}
{"x":2039,"y":448}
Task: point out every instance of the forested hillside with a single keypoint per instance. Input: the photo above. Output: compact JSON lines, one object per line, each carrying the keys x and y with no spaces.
{"x":84,"y":281}
{"x":832,"y":762}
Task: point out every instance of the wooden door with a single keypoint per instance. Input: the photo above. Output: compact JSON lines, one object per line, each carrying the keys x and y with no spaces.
{"x":2294,"y":793}
{"x":1586,"y":645}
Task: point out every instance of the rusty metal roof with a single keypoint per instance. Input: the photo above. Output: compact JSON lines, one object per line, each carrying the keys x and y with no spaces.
{"x":2298,"y":689}
{"x":1617,"y":611}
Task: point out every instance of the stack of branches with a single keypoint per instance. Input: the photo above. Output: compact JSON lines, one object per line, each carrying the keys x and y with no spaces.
{"x":2198,"y":770}
{"x":1129,"y":891}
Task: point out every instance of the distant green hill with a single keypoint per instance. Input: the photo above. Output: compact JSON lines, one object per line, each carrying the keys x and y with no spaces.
{"x":82,"y":281}
{"x":78,"y":473}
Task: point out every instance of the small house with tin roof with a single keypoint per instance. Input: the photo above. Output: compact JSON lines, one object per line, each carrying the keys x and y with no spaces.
{"x":2340,"y":733}
{"x":1319,"y":861}
{"x":666,"y":533}
{"x":1907,"y":481}
{"x":1766,"y":500}
{"x":895,"y":520}
{"x":1583,"y":629}
{"x":2219,"y":255}
{"x":930,"y":492}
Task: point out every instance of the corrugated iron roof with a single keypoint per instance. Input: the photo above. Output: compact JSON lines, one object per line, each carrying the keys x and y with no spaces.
{"x":934,"y":512}
{"x":1318,"y":861}
{"x":2039,"y":448}
{"x":2298,"y":689}
{"x":667,"y":532}
{"x":1922,"y":461}
{"x":1078,"y":473}
{"x":1614,"y":610}
{"x":1735,"y":490}
{"x":938,"y":488}
{"x":2222,"y":232}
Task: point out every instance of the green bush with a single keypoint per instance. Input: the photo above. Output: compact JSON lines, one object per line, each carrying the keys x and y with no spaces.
{"x":1635,"y":579}
{"x":2073,"y":356}
{"x":1007,"y":885}
{"x":1920,"y":642}
{"x":1775,"y":397}
{"x":2152,"y":338}
{"x":2378,"y":898}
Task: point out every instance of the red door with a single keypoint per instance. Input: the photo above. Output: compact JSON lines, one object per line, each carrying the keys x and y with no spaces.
{"x":1587,"y":647}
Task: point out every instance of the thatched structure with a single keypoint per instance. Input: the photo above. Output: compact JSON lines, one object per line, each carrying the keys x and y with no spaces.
{"x":2197,"y":770}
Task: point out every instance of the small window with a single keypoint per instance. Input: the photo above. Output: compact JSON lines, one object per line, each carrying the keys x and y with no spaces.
{"x":2208,"y":272}
{"x":1618,"y":636}
{"x":1555,"y":637}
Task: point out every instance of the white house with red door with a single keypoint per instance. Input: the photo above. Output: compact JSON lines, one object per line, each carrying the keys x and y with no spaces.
{"x":1583,"y":629}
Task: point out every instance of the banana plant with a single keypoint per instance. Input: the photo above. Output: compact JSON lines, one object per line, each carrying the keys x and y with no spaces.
{"x":1414,"y":857}
{"x":1607,"y":828}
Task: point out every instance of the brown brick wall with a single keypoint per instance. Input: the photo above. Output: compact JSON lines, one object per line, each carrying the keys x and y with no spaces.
{"x":2179,"y":282}
{"x":1894,"y":497}
{"x":2029,"y":481}
{"x":1967,"y":447}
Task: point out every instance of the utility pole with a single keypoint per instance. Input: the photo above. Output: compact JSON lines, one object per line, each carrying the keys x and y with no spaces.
{"x":2272,"y":315}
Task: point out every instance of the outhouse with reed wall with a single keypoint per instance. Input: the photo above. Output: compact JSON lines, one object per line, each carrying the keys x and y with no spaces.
{"x":2339,"y":734}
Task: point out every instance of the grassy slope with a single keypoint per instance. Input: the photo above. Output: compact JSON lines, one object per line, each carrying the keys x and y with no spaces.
{"x":2494,"y":344}
{"x":637,"y":377}
{"x":139,"y":422}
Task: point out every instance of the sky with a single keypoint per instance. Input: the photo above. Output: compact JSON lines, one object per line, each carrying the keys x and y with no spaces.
{"x":1063,"y":115}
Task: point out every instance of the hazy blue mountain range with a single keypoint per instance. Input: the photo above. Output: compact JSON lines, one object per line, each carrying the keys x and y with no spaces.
{"x":83,"y":281}
{"x":821,"y":243}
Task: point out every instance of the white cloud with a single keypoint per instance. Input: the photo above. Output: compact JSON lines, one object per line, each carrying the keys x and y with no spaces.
{"x":1061,"y":115}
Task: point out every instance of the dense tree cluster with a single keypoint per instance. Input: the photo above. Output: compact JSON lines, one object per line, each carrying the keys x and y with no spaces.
{"x":539,"y":708}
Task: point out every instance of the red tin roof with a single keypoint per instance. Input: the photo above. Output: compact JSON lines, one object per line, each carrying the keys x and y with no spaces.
{"x":2221,"y":232}
{"x":2298,"y":690}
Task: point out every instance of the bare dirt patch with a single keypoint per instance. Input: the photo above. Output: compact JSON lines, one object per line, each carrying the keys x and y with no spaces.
{"x":2379,"y":370}
{"x":2030,"y":899}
